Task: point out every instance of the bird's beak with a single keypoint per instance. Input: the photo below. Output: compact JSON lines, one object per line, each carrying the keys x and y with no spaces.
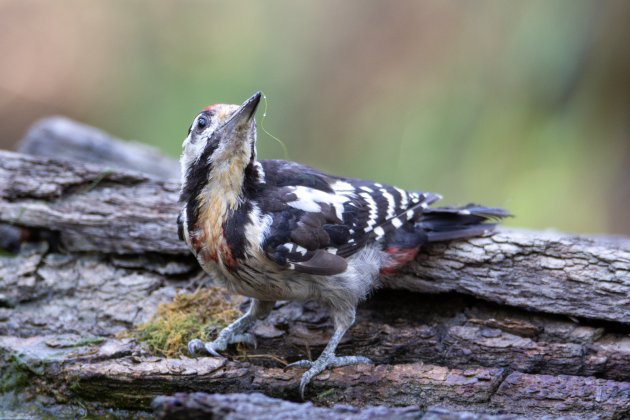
{"x":244,"y":115}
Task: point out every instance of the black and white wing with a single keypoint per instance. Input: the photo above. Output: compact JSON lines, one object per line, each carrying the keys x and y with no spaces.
{"x":318,"y":220}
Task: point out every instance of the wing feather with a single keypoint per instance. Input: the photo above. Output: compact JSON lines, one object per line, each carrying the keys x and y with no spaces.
{"x":320,"y":220}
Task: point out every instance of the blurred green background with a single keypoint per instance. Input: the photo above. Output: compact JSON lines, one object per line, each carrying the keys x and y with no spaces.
{"x":522,"y":104}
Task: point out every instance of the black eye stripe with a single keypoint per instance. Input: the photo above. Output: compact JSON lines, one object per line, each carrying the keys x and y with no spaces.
{"x":211,"y":148}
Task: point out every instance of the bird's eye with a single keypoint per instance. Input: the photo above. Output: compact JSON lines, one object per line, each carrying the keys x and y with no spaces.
{"x":202,"y":122}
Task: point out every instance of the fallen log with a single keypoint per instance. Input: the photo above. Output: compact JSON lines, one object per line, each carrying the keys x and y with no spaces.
{"x":125,"y":212}
{"x":522,"y":323}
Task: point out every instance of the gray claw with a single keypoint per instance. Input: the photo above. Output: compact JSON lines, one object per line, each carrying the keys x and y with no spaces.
{"x":210,"y":349}
{"x":196,"y":347}
{"x":322,"y":363}
{"x":304,"y":364}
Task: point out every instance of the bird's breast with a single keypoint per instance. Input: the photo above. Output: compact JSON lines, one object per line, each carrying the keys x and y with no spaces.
{"x":208,"y":238}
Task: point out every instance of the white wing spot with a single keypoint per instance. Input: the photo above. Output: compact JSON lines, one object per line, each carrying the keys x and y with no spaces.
{"x":379,"y":231}
{"x":366,"y":189}
{"x":309,"y":199}
{"x":410,"y":214}
{"x":396,"y":222}
{"x":342,"y":187}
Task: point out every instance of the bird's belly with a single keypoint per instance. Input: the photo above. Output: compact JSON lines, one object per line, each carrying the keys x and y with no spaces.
{"x":255,"y":277}
{"x":261,"y":282}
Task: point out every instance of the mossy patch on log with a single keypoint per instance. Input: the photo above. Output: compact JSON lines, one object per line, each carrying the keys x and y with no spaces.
{"x":201,"y":314}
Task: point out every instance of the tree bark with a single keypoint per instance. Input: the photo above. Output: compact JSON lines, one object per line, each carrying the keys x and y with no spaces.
{"x":124,"y":212}
{"x":524,"y":323}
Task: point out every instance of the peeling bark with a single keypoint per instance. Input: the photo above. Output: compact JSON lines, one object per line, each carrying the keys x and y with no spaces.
{"x":518,"y":323}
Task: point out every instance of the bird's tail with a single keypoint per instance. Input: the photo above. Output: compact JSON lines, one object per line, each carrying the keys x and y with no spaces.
{"x":448,"y":223}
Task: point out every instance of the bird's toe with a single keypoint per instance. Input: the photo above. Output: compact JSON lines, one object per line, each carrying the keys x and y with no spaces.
{"x":196,"y":347}
{"x":304,"y":364}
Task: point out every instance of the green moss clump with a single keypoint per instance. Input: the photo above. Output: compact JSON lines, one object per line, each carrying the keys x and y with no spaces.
{"x":201,"y":314}
{"x":14,"y":375}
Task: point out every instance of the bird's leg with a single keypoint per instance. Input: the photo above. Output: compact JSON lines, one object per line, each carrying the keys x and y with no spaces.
{"x":328,"y":359}
{"x":236,"y":332}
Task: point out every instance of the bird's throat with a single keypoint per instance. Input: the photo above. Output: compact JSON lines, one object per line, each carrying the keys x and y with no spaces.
{"x":217,"y":200}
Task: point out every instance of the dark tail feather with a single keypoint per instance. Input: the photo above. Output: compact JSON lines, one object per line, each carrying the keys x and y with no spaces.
{"x":448,"y":223}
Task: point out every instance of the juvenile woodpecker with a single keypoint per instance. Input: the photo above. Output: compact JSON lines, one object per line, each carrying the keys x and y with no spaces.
{"x":277,"y":230}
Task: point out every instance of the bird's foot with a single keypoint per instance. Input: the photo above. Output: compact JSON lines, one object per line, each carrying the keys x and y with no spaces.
{"x":197,"y":347}
{"x":324,"y":361}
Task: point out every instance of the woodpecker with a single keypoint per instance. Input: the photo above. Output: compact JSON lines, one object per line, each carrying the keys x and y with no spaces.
{"x":278,"y":230}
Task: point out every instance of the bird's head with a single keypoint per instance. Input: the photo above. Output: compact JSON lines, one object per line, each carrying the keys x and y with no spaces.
{"x":220,"y":145}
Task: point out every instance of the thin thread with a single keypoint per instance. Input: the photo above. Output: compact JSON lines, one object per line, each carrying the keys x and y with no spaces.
{"x":262,"y":125}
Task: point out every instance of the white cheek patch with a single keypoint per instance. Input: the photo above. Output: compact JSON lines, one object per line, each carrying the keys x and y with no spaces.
{"x":192,"y":151}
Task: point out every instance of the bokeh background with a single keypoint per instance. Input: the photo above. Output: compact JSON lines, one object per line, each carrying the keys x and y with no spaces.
{"x":522,"y":104}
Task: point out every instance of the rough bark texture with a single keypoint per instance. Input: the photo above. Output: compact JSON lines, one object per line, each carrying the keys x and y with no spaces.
{"x":121,"y":212}
{"x":523,"y":323}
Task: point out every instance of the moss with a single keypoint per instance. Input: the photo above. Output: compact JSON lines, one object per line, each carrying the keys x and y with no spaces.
{"x":5,"y":253}
{"x":201,"y":314}
{"x":14,"y":375}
